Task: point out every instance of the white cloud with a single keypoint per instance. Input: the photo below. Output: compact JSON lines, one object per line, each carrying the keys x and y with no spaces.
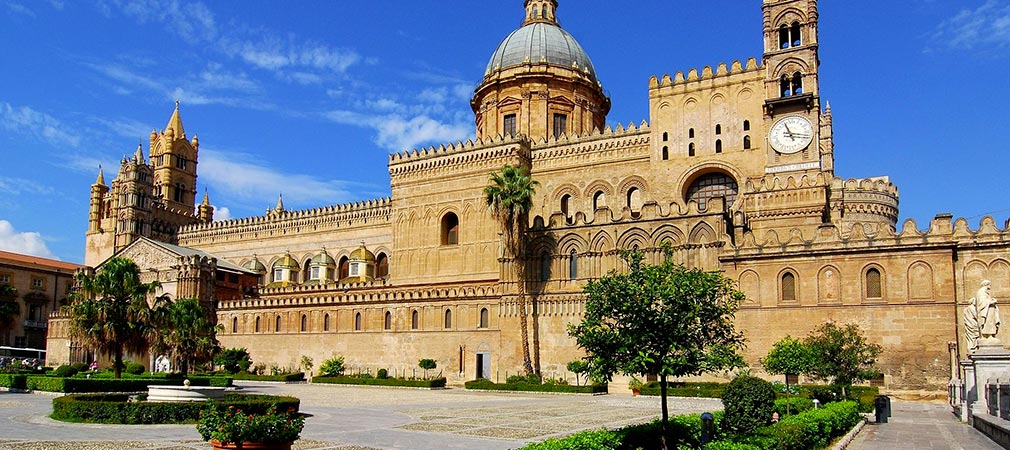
{"x":984,"y":28}
{"x":128,"y":128}
{"x":18,"y":8}
{"x":26,"y":243}
{"x":398,"y":133}
{"x":279,"y":55}
{"x":27,"y":121}
{"x":221,"y":213}
{"x":16,"y":186}
{"x":194,"y":22}
{"x":227,"y":173}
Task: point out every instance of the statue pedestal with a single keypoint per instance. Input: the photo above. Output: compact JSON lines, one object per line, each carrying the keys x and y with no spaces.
{"x":989,"y":361}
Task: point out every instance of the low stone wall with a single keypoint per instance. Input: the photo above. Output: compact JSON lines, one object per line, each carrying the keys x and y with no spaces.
{"x":997,"y":429}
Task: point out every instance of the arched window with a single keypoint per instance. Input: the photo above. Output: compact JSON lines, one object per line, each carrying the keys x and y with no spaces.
{"x":712,"y":185}
{"x":746,"y":125}
{"x":543,"y":14}
{"x":305,"y":323}
{"x":536,"y":11}
{"x":565,"y":207}
{"x":599,"y":200}
{"x":357,"y":321}
{"x":450,"y":229}
{"x":388,"y":323}
{"x":234,"y":324}
{"x":277,"y":324}
{"x":690,"y":133}
{"x":783,"y":36}
{"x":415,"y":320}
{"x":718,"y":128}
{"x":326,"y":322}
{"x":666,"y":153}
{"x":718,"y":145}
{"x":381,"y":265}
{"x":795,"y":36}
{"x":634,"y":202}
{"x":573,"y":265}
{"x":666,"y":136}
{"x":343,"y":268}
{"x":746,"y":142}
{"x":545,"y":266}
{"x":788,"y":287}
{"x":690,"y":149}
{"x":307,"y":271}
{"x":257,"y":329}
{"x":483,"y":318}
{"x":797,"y":83}
{"x":448,"y":319}
{"x":784,"y":89}
{"x":873,"y":283}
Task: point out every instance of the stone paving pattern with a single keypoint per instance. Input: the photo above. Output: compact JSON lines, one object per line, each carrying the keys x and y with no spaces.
{"x":921,"y":426}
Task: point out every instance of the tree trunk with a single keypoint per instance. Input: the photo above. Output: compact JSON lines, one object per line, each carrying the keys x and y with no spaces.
{"x":117,"y":363}
{"x":665,"y":427}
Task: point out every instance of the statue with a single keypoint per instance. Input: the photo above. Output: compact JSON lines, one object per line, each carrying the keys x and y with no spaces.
{"x":981,"y":318}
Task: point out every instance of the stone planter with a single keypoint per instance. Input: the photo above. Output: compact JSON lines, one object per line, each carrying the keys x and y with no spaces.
{"x":218,"y":445}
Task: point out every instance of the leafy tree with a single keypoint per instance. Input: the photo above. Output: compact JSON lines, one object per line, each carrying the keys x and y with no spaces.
{"x":787,"y":357}
{"x":427,"y":364}
{"x":234,"y":360}
{"x":184,"y":331}
{"x":578,"y":367}
{"x":842,"y":354}
{"x":333,"y":367}
{"x":661,"y":319}
{"x":307,"y":364}
{"x":510,"y":198}
{"x":9,"y":308}
{"x":110,"y":312}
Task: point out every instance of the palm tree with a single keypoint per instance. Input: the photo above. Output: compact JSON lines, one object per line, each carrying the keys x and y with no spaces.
{"x":109,"y":313}
{"x":510,"y":198}
{"x":183,"y":330}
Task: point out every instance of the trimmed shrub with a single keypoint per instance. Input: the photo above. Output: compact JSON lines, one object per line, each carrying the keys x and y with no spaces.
{"x":749,"y":403}
{"x":814,"y":428}
{"x":233,"y":360}
{"x":13,"y":380}
{"x":81,"y":367}
{"x":484,"y":384}
{"x":332,"y":367}
{"x":584,"y":440}
{"x":94,"y":384}
{"x":45,"y":383}
{"x":727,"y":445}
{"x":369,"y":381}
{"x":285,"y":377}
{"x":796,"y":405}
{"x":117,"y":409}
{"x":64,"y":372}
{"x":382,"y":373}
{"x":134,"y":368}
{"x":682,"y":389}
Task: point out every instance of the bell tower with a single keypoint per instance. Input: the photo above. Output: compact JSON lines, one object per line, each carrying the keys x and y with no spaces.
{"x":174,"y":158}
{"x":799,"y":137}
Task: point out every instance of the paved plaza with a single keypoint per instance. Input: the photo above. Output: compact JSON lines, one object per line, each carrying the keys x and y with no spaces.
{"x":921,"y":426}
{"x":362,"y":418}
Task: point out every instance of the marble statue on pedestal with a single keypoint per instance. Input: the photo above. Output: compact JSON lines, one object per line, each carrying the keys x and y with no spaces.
{"x":981,"y":319}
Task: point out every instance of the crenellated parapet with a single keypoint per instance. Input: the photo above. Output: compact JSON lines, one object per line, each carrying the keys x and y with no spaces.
{"x":334,"y":216}
{"x":722,"y":73}
{"x":864,"y":200}
{"x":376,"y":291}
{"x":484,"y":154}
{"x":610,"y":144}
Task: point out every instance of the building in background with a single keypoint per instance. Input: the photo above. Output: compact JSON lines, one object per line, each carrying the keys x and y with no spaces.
{"x":40,"y":286}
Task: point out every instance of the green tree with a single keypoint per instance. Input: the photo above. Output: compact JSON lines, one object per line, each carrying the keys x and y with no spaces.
{"x":110,"y":313}
{"x":842,"y":354}
{"x":787,"y":357}
{"x":233,"y":360}
{"x":660,"y":319}
{"x":510,"y":198}
{"x":578,"y":367}
{"x":184,"y":331}
{"x":333,"y":367}
{"x":427,"y":364}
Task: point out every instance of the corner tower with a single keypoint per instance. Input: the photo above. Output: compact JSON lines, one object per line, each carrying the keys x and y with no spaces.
{"x":539,"y":82}
{"x":174,"y":161}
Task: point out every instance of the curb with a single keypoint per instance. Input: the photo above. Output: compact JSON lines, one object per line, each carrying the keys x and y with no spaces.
{"x":844,"y":441}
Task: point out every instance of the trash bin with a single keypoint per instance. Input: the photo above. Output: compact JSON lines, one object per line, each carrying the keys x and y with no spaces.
{"x":882,"y":405}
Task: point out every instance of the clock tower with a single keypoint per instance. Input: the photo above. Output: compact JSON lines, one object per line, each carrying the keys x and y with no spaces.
{"x":799,"y":135}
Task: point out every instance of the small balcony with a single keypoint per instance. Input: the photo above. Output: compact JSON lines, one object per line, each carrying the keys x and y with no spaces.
{"x":36,"y":324}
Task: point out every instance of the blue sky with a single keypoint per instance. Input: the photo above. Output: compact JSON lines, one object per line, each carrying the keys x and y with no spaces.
{"x":308,"y":98}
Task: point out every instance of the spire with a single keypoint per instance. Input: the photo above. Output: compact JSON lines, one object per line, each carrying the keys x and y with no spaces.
{"x":206,"y":198}
{"x":540,"y":11}
{"x":280,"y":203}
{"x":139,"y":156}
{"x":175,"y":122}
{"x":101,"y":177}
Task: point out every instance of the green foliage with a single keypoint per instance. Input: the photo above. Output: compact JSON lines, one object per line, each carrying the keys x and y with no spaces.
{"x":728,"y":445}
{"x":307,"y":363}
{"x":841,"y":353}
{"x":427,"y":364}
{"x":523,"y":385}
{"x":184,"y":331}
{"x":117,"y":409}
{"x":332,"y":367}
{"x":233,"y":360}
{"x":45,"y":383}
{"x":813,"y":429}
{"x":749,"y":403}
{"x":382,"y":374}
{"x":788,"y":356}
{"x":286,"y":377}
{"x":64,"y":371}
{"x":79,"y":384}
{"x":796,"y":405}
{"x":236,"y":426}
{"x":110,"y":312}
{"x":682,"y":389}
{"x":13,"y":380}
{"x":528,"y":379}
{"x":81,"y":367}
{"x":862,"y":395}
{"x":585,"y":440}
{"x":369,"y":381}
{"x":134,"y":368}
{"x":579,"y":368}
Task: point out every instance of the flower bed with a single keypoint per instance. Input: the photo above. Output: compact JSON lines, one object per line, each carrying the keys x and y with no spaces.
{"x":230,"y":424}
{"x":434,"y":383}
{"x":534,"y":387}
{"x":117,"y":409}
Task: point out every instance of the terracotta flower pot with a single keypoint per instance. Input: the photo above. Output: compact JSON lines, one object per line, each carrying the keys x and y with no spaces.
{"x":218,"y":445}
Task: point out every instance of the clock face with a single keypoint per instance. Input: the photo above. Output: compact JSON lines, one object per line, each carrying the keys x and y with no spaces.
{"x":791,"y":134}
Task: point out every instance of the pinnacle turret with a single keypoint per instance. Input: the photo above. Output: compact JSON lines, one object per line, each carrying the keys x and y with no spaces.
{"x":175,"y":123}
{"x":101,"y":177}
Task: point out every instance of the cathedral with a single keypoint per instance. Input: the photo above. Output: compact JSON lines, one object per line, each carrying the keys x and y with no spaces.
{"x":733,"y":170}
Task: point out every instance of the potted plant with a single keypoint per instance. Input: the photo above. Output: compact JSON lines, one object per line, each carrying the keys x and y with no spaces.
{"x":635,"y":385}
{"x":231,"y":428}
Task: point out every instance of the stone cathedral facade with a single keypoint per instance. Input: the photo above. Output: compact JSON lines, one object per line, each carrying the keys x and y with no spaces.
{"x":734,"y":169}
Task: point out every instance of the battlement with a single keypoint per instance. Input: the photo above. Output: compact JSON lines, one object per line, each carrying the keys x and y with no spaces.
{"x":328,"y":215}
{"x":721,"y":71}
{"x":607,"y":143}
{"x":774,"y":182}
{"x":376,"y":291}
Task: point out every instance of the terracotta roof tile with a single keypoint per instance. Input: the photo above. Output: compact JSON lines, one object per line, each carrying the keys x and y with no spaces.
{"x":35,"y":261}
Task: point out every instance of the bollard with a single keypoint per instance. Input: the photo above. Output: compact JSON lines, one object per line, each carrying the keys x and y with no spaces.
{"x":882,"y":408}
{"x":707,"y":427}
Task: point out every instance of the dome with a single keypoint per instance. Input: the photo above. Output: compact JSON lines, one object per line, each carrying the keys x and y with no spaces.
{"x":362,"y":254}
{"x":256,"y":266}
{"x":323,"y":259}
{"x":287,"y":262}
{"x":541,"y":43}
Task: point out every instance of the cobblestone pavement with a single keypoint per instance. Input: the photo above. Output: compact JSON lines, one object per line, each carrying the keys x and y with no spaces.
{"x":921,"y":426}
{"x":361,"y":418}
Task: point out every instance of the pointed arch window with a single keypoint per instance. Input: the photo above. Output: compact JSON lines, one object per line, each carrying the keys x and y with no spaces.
{"x":666,"y":153}
{"x":415,"y":320}
{"x":690,"y":133}
{"x":573,"y":265}
{"x":448,"y":319}
{"x":234,"y":324}
{"x":277,"y":324}
{"x":344,"y":268}
{"x":788,"y":285}
{"x":381,"y":266}
{"x":690,"y":149}
{"x":545,"y":266}
{"x":718,"y":145}
{"x":257,"y":329}
{"x":718,"y":129}
{"x":666,"y":136}
{"x":873,"y":288}
{"x":387,"y":324}
{"x":357,"y":321}
{"x":305,"y":323}
{"x":483,"y":318}
{"x":326,"y":322}
{"x":746,"y":142}
{"x":450,"y":229}
{"x":746,"y":125}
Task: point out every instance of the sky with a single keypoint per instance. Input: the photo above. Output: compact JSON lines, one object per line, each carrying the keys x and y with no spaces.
{"x":308,"y":98}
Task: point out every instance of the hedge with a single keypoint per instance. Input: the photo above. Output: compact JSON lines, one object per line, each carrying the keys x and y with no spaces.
{"x":434,"y":383}
{"x":683,"y":389}
{"x":13,"y":380}
{"x":78,"y":385}
{"x":796,"y":405}
{"x":484,"y":384}
{"x":864,"y":395}
{"x":117,"y":409}
{"x":287,"y":377}
{"x":812,"y":429}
